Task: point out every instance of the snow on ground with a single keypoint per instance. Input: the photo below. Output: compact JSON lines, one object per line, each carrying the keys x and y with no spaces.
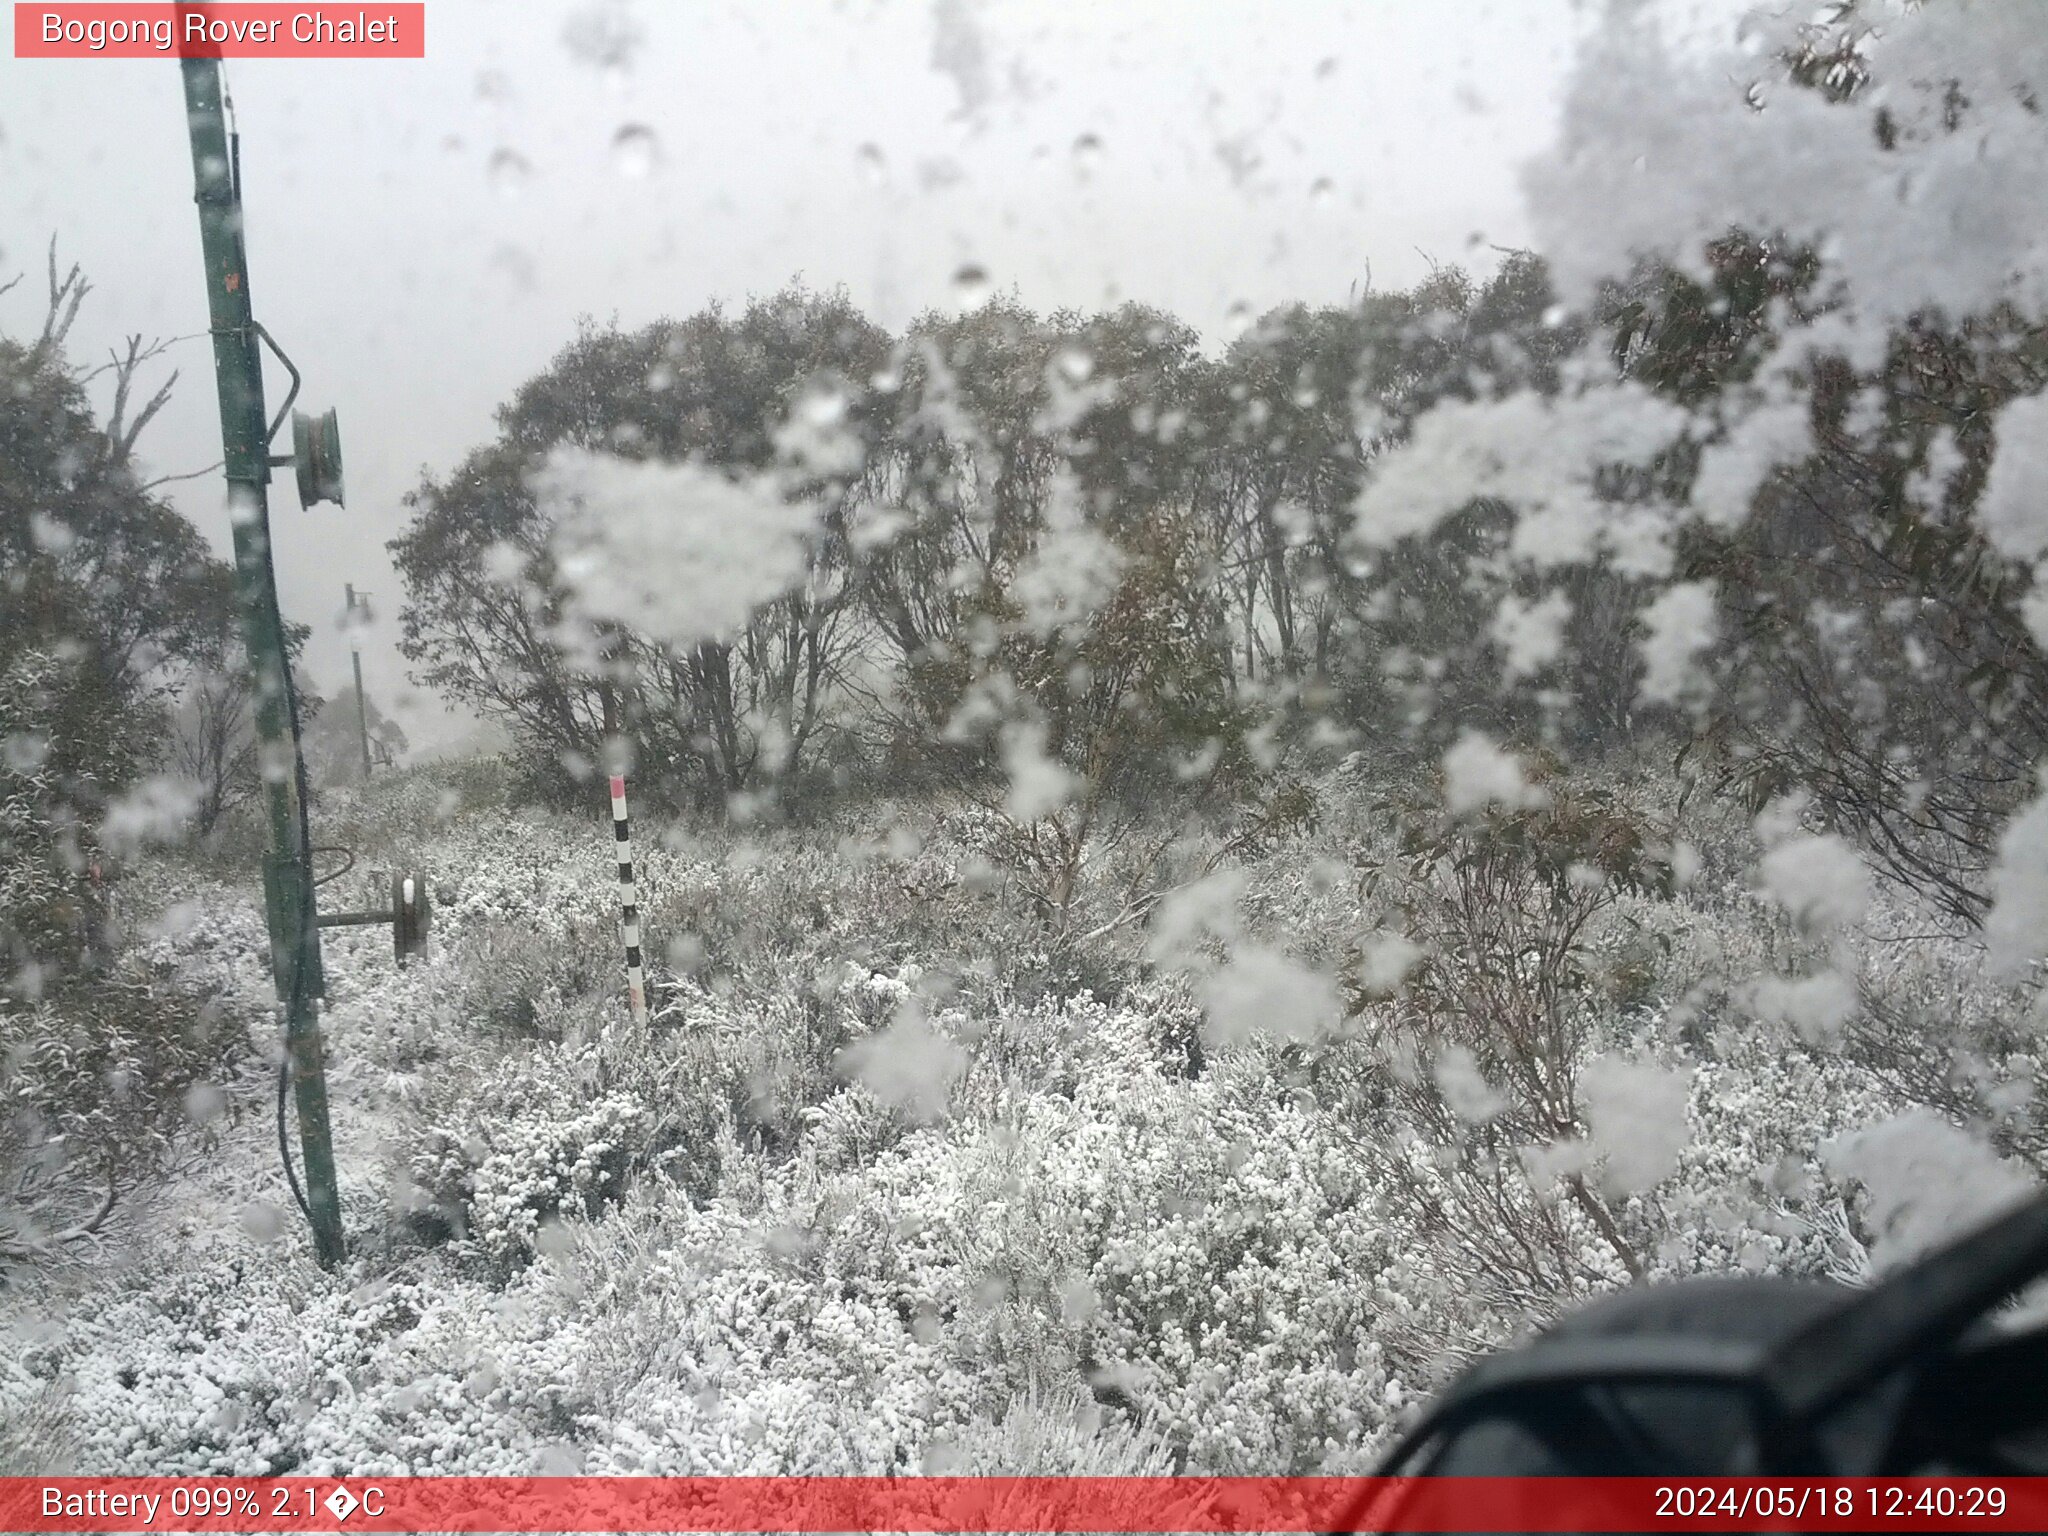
{"x":1096,"y":1237}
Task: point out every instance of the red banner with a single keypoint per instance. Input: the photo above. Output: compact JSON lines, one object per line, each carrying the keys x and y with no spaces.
{"x":205,"y":31}
{"x":1156,"y":1504}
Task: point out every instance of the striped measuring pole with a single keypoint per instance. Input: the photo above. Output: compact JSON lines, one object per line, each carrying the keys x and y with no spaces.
{"x":636,"y":977}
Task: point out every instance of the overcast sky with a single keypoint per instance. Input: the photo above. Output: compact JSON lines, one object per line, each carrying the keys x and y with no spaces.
{"x":424,"y":234}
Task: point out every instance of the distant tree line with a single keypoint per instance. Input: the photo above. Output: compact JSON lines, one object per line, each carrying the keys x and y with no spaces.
{"x":1871,"y":649}
{"x":1222,"y":488}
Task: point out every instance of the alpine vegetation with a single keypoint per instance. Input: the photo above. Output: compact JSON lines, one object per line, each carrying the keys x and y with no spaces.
{"x":1188,"y":887}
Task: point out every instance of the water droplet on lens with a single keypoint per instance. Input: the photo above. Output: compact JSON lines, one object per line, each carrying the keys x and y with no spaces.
{"x":825,"y":407}
{"x":204,"y":1102}
{"x":515,"y":264}
{"x":509,"y":172}
{"x":1323,"y":192}
{"x":971,"y":286}
{"x":634,"y":151}
{"x":1087,"y":153}
{"x":874,"y":168}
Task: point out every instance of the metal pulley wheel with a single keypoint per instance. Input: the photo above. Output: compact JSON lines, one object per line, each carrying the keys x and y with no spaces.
{"x":316,"y":451}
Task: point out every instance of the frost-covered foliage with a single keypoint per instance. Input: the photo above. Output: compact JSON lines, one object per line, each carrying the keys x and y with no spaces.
{"x":49,"y":909}
{"x":103,"y":1087}
{"x":535,"y":1146}
{"x":106,"y":1065}
{"x":878,"y":1191}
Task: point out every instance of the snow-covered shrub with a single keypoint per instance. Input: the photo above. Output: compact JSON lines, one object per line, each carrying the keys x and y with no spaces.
{"x":1497,"y":1018}
{"x":263,"y":1365}
{"x":35,"y":1414}
{"x":47,"y":910}
{"x":1939,"y":1030}
{"x":76,"y":728}
{"x":496,"y":1157}
{"x":1752,"y":1193}
{"x":1245,"y":1308}
{"x":392,"y":809}
{"x":514,"y":987}
{"x":1198,"y":1253}
{"x":776,"y":910}
{"x":1057,"y":1244}
{"x":101,"y":1084}
{"x":1052,"y":1433}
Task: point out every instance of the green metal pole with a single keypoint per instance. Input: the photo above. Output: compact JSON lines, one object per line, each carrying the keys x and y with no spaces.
{"x":288,"y":896}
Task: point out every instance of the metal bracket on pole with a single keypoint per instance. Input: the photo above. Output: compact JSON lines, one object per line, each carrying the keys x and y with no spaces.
{"x":410,"y":915}
{"x":316,"y":441}
{"x":290,"y":395}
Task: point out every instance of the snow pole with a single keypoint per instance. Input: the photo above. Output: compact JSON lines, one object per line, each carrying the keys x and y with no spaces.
{"x":636,"y":978}
{"x":629,"y":895}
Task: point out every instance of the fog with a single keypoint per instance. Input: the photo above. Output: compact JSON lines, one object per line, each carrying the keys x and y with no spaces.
{"x":424,"y":235}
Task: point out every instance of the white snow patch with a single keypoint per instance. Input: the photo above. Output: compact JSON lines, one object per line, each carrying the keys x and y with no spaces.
{"x":1190,"y":918}
{"x":1384,"y":962}
{"x":1260,"y":992}
{"x":1817,"y":1007}
{"x":1073,"y":570}
{"x":1662,"y":151}
{"x":1479,"y":773}
{"x":1732,"y":470}
{"x":1538,"y":453}
{"x":1635,"y":1115}
{"x":1925,"y":1180}
{"x":155,"y":812}
{"x":1681,"y":624}
{"x":1039,"y":783}
{"x":2016,"y":930}
{"x":2014,"y":507}
{"x":1818,"y":878}
{"x":1464,"y":1087}
{"x":675,"y":551}
{"x":1531,"y":633}
{"x":909,"y":1066}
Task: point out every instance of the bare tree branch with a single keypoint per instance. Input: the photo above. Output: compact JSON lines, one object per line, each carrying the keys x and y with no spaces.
{"x":30,"y":1248}
{"x":190,"y":474}
{"x":66,"y":294}
{"x":121,"y":432}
